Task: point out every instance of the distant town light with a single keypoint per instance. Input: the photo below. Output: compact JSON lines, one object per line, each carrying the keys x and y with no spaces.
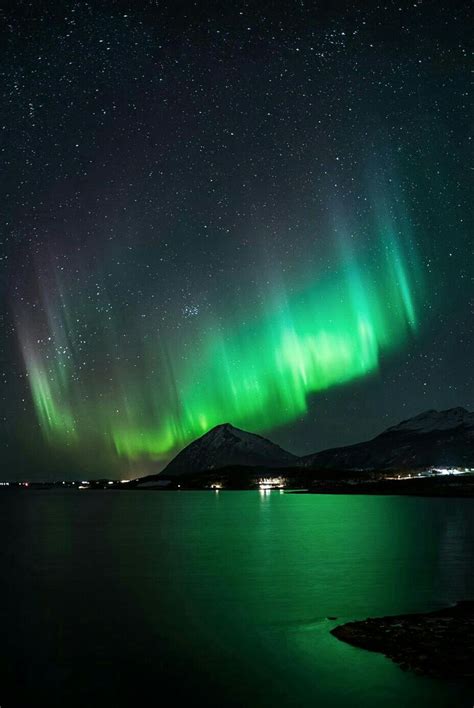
{"x":434,"y":472}
{"x":272,"y":483}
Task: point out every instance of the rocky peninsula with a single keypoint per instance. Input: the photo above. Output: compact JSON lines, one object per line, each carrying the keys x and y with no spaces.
{"x":438,"y":644}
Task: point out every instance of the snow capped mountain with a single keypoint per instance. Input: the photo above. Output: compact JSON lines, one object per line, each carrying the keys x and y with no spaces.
{"x":429,"y":439}
{"x":225,"y":445}
{"x":436,"y":420}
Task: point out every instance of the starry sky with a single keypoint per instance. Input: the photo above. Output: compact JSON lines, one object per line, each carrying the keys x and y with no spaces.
{"x":251,"y":212}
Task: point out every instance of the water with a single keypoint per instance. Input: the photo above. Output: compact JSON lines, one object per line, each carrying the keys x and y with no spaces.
{"x":226,"y":596}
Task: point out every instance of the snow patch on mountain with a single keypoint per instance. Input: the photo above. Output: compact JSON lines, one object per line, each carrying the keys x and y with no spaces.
{"x":226,"y":445}
{"x":432,"y":420}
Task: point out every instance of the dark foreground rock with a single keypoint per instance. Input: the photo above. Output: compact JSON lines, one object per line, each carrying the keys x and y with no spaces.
{"x":438,"y":644}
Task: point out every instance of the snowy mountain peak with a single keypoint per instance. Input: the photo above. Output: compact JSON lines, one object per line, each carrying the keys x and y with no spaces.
{"x":224,"y":446}
{"x":432,"y":420}
{"x":222,"y":429}
{"x":433,"y":438}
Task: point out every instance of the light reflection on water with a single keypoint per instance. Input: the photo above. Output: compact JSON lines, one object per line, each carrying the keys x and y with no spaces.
{"x":109,"y":592}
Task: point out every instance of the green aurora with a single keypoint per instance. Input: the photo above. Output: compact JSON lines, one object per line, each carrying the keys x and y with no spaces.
{"x":256,"y":372}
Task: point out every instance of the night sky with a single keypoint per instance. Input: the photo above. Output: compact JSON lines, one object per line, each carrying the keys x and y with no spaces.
{"x":255,"y":213}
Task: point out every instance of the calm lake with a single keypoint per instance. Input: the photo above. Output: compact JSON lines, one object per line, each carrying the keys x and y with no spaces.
{"x":222,"y":597}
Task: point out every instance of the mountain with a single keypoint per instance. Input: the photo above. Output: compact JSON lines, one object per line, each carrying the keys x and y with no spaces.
{"x":226,"y":446}
{"x":432,"y":420}
{"x":433,"y":438}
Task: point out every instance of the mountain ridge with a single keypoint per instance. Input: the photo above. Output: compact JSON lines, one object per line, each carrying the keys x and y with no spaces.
{"x":427,"y":439}
{"x":431,"y":438}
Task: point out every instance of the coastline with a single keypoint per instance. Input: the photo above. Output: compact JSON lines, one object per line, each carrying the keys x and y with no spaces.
{"x":439,"y":644}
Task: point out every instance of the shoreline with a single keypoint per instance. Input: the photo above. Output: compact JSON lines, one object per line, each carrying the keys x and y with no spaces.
{"x":438,"y":644}
{"x":450,"y":486}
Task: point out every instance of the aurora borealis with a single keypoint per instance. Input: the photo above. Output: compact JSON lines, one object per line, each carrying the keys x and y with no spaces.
{"x":258,"y":375}
{"x":253,"y":215}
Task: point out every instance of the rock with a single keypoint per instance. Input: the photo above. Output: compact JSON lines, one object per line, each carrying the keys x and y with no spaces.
{"x":438,"y":644}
